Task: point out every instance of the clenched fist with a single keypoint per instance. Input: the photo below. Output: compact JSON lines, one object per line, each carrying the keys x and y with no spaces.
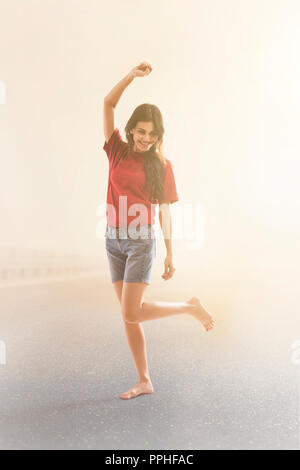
{"x":144,"y":68}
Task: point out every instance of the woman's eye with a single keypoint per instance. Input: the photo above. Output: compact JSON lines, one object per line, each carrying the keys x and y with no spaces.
{"x":153,"y":136}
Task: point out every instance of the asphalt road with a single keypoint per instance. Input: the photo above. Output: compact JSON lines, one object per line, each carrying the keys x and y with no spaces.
{"x":67,"y":361}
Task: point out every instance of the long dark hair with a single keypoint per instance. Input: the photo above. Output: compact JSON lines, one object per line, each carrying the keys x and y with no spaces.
{"x":155,"y":162}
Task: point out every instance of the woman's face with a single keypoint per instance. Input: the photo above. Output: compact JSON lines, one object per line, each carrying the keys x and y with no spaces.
{"x":144,"y":136}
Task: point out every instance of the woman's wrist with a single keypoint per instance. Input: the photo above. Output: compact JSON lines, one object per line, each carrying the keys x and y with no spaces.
{"x":131,"y":75}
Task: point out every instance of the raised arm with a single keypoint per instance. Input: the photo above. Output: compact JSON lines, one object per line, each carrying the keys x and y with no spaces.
{"x":112,"y":98}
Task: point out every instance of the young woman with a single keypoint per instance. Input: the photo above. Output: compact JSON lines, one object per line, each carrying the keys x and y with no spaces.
{"x":139,"y":177}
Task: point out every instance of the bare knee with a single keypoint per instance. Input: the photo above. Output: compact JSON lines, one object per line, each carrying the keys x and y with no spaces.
{"x":130,"y":316}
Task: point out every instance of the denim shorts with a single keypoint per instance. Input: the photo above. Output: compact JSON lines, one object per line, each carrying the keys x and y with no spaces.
{"x":130,"y":254}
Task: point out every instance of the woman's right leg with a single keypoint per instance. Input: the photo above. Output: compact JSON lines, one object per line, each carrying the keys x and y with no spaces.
{"x":137,"y":343}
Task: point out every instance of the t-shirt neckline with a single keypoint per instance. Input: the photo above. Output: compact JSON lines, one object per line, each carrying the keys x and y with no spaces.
{"x":138,"y":154}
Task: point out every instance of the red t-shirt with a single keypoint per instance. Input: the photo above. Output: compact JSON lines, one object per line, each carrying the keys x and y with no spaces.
{"x":126,"y":178}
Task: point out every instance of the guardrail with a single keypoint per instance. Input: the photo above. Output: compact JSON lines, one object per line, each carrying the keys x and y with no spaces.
{"x":36,"y":266}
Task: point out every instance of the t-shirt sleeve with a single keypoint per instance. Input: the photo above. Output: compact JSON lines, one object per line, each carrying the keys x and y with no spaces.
{"x":170,"y":190}
{"x":115,"y":145}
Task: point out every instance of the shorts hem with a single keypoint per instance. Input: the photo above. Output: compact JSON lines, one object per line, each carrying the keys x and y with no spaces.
{"x":141,"y":281}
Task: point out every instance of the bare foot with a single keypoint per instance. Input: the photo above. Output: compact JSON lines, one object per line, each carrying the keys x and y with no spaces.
{"x":139,"y":389}
{"x":201,"y":313}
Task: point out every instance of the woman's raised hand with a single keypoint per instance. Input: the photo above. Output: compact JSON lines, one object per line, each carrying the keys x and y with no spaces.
{"x":144,"y":68}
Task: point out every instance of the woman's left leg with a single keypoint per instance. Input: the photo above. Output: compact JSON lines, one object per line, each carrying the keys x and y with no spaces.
{"x":135,"y":310}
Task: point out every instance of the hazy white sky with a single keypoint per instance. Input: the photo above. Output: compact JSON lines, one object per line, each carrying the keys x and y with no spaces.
{"x":226,"y":78}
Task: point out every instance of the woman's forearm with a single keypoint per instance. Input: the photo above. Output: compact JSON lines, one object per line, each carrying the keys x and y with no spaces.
{"x":168,"y":243}
{"x":115,"y":94}
{"x":166,"y":226}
